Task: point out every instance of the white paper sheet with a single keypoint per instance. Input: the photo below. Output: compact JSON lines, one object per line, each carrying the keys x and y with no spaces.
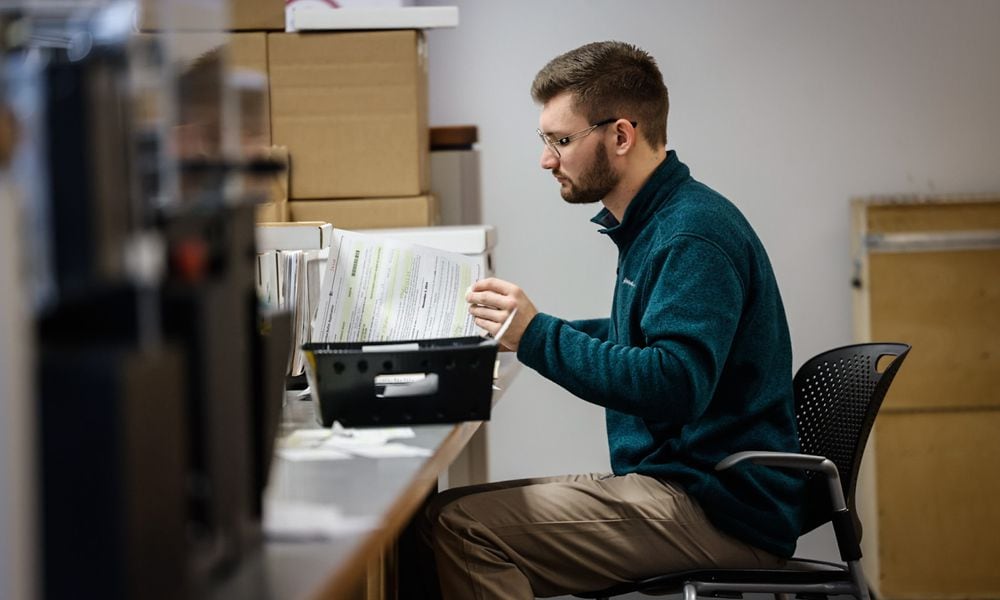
{"x":390,"y":450}
{"x":312,"y":454}
{"x":339,"y":443}
{"x":304,"y":521}
{"x":379,"y":289}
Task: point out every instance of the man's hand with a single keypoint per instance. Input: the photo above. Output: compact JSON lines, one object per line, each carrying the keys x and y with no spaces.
{"x":492,"y":300}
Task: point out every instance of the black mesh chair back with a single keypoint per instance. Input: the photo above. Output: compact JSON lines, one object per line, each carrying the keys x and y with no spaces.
{"x":837,"y":395}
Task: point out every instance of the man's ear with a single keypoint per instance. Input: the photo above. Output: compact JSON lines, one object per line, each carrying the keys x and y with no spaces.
{"x":625,"y":137}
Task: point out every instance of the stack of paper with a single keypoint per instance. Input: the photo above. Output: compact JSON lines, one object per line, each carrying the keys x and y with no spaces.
{"x":380,"y":289}
{"x":290,"y":269}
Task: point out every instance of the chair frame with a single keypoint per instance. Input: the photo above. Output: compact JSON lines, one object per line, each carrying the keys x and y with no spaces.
{"x":798,"y":576}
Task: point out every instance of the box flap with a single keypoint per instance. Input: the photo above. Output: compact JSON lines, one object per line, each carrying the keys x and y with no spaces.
{"x":310,"y":235}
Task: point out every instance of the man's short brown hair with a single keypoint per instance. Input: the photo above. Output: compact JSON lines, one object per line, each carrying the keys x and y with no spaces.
{"x":609,"y":79}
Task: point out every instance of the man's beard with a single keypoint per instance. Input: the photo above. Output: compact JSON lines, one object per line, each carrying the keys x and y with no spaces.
{"x":595,"y":184}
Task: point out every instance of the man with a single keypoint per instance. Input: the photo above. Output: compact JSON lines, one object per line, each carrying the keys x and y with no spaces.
{"x":693,"y":364}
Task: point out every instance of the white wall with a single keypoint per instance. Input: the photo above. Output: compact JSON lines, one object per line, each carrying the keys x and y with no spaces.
{"x":787,"y":107}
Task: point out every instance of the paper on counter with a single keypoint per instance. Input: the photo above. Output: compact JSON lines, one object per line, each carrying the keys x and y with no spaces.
{"x":306,"y":435}
{"x":309,"y":454}
{"x":305,"y":521}
{"x":371,"y":435}
{"x":374,"y":443}
{"x":307,"y":445}
{"x":393,"y":450}
{"x":339,"y":443}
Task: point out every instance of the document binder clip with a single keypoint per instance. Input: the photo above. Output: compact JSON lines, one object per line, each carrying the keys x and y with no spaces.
{"x":378,"y":384}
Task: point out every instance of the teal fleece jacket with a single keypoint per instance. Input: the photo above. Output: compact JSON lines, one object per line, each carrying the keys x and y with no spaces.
{"x":694,"y":362}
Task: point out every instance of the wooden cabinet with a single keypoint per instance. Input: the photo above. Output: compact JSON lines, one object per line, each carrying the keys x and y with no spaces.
{"x":928,"y":274}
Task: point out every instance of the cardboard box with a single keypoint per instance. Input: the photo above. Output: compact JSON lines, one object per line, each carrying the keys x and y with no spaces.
{"x":273,"y":187}
{"x":352,"y":109}
{"x":256,"y":15}
{"x":247,"y":54}
{"x":195,"y":15}
{"x":200,"y":77}
{"x":369,"y":213}
{"x":270,"y":212}
{"x":248,"y":51}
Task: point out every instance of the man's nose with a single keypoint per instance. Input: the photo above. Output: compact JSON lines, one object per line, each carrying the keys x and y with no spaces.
{"x":549,"y":160}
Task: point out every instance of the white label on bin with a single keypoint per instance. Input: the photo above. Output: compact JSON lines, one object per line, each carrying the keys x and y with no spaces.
{"x":390,"y":347}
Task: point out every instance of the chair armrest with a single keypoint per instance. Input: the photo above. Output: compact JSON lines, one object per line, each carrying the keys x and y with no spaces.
{"x":791,"y":460}
{"x":805,"y":462}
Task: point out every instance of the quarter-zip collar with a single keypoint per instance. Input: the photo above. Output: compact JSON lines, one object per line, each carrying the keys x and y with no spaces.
{"x":659,"y":188}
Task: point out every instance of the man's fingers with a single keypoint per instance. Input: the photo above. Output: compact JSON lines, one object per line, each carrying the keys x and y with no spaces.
{"x":490,"y":326}
{"x":487,"y":313}
{"x":491,"y":299}
{"x":495,"y":285}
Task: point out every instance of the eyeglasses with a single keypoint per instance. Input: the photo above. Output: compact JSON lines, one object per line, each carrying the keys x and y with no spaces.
{"x":555,"y":144}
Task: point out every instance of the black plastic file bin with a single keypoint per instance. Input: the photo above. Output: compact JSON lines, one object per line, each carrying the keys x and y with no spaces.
{"x":456,"y":383}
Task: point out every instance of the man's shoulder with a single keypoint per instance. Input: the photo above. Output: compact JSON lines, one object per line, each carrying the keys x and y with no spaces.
{"x":696,"y":209}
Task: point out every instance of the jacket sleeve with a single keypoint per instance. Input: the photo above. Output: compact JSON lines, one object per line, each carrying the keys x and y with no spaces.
{"x":596,"y":328}
{"x":692,"y":299}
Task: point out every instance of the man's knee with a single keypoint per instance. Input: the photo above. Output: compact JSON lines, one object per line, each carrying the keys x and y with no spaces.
{"x":449,"y":516}
{"x":430,"y":513}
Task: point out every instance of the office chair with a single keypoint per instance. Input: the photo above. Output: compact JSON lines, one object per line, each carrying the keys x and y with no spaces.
{"x":837,"y":395}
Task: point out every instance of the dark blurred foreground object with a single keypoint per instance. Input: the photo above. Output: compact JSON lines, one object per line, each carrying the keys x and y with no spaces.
{"x":159,"y":380}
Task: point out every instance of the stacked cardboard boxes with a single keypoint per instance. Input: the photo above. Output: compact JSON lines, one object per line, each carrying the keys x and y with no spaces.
{"x":352,"y":109}
{"x":246,"y":53}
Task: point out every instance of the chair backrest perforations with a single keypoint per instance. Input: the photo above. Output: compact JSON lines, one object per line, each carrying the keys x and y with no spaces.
{"x":837,"y":396}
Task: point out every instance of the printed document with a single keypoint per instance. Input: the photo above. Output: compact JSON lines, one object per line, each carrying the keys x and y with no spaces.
{"x":378,"y":289}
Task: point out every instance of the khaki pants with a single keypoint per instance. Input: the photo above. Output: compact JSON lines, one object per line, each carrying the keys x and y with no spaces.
{"x":560,"y":535}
